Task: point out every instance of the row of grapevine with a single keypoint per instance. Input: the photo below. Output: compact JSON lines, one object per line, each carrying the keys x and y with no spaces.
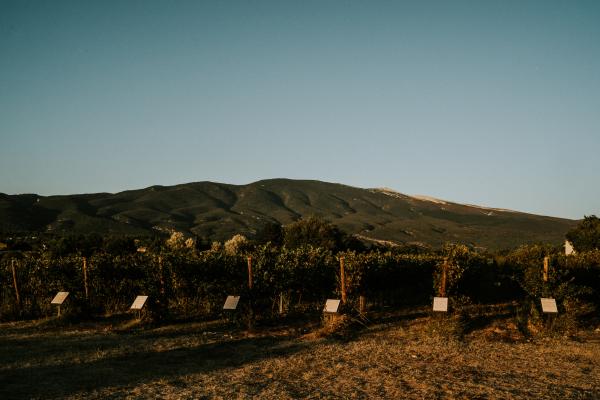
{"x":187,"y":283}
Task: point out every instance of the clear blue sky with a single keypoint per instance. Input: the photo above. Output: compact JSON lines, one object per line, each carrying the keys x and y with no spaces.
{"x":487,"y":102}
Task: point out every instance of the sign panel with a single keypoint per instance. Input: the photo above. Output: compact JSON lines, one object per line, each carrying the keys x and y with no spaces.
{"x":549,"y":306}
{"x":231,"y":302}
{"x":569,"y":248}
{"x":332,"y":305}
{"x":139,"y":302}
{"x":59,"y":298}
{"x":440,"y":304}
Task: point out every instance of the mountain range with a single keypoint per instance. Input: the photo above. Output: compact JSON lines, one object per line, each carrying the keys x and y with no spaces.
{"x":218,"y":211}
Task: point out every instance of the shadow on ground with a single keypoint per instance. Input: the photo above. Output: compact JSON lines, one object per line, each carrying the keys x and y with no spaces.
{"x":58,"y":381}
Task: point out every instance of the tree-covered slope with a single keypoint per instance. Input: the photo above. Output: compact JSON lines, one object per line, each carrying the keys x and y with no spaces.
{"x":218,"y":211}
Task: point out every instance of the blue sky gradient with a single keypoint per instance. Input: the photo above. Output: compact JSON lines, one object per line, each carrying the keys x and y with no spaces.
{"x":493,"y":103}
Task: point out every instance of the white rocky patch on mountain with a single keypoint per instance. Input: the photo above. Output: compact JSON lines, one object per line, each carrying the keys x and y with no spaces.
{"x":391,"y":192}
{"x":428,"y":198}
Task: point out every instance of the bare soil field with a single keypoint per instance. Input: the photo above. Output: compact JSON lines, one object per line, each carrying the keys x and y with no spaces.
{"x":402,"y":356}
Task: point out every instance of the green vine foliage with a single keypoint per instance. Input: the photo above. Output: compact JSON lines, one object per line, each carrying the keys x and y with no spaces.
{"x":389,"y":278}
{"x":187,"y":283}
{"x":307,"y":273}
{"x":573,"y":281}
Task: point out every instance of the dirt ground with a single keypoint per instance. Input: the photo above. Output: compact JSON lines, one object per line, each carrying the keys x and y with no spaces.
{"x":401,"y":357}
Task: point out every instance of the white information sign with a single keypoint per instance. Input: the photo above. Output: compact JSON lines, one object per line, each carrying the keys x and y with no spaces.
{"x":569,"y":248}
{"x":549,"y":306}
{"x":231,"y":302}
{"x":60,"y":298}
{"x":440,"y":304}
{"x":139,"y":302}
{"x":332,"y":305}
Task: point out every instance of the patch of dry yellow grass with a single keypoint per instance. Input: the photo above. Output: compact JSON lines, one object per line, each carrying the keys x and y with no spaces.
{"x":401,"y":359}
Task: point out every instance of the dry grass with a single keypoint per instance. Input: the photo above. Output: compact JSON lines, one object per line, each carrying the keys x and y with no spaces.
{"x":403,"y":356}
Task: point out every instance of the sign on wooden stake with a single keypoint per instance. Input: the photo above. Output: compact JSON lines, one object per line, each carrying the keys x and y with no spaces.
{"x":59,"y":298}
{"x":440,"y":304}
{"x":549,"y":306}
{"x":231,"y":302}
{"x":139,"y":303}
{"x":332,"y":305}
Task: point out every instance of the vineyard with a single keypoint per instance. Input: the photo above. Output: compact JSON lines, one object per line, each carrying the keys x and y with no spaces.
{"x":184,"y":283}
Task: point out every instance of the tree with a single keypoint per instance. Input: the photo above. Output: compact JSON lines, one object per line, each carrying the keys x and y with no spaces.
{"x":85,"y":245}
{"x":271,"y":232}
{"x":119,"y":245}
{"x":236,"y":245}
{"x":176,"y":241}
{"x":586,"y":235}
{"x":313,"y":231}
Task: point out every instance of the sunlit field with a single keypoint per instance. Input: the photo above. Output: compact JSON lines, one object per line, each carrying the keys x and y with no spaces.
{"x":412,"y":355}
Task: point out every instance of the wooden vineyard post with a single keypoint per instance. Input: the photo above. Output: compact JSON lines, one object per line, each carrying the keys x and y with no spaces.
{"x":546,"y":268}
{"x":250,"y":309}
{"x":250,"y":272}
{"x":361,"y":304}
{"x":444,"y":277}
{"x":343,"y":280}
{"x":14,"y":275}
{"x":280,"y":303}
{"x":85,"y":278}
